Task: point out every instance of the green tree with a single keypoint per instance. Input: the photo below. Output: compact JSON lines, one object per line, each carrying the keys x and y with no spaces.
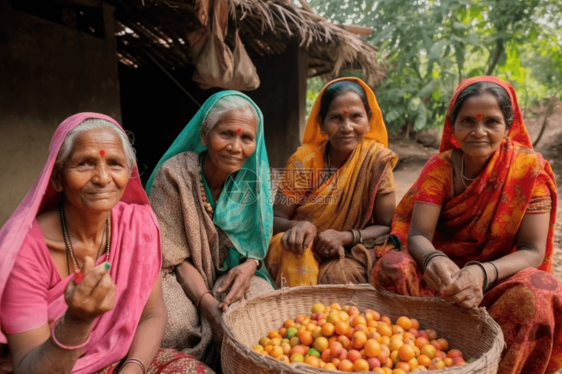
{"x":432,"y":45}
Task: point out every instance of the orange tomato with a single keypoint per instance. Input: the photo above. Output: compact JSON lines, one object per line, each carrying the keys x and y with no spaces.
{"x":444,"y":344}
{"x":372,"y":348}
{"x":386,"y":319}
{"x":397,"y":330}
{"x":328,"y":329}
{"x":345,"y":341}
{"x":335,"y":306}
{"x":385,"y":340}
{"x":276,"y":352}
{"x":353,"y":311}
{"x":312,"y":361}
{"x":398,"y":371}
{"x":294,"y":341}
{"x":395,"y":344}
{"x":404,"y":322}
{"x":415,"y":323}
{"x":298,"y":349}
{"x":378,"y":370}
{"x":317,"y":332}
{"x":406,"y":352}
{"x":329,"y":366}
{"x":358,"y":320}
{"x":344,"y":316}
{"x":274,"y":334}
{"x":421,"y":341}
{"x":360,"y":365}
{"x":342,"y":328}
{"x":448,"y":361}
{"x":353,"y":355}
{"x":359,"y":339}
{"x":436,"y":344}
{"x":384,"y":329}
{"x":423,"y":360}
{"x":413,"y":364}
{"x":428,"y":350}
{"x":296,"y":357}
{"x":454,"y":353}
{"x":333,"y":317}
{"x":283,"y":332}
{"x":404,"y":366}
{"x":432,"y":334}
{"x":286,"y":348}
{"x":345,"y":365}
{"x":321,"y":344}
{"x":306,"y":337}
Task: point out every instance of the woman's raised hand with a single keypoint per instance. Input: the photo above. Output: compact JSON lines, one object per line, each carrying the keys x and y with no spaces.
{"x":299,"y":237}
{"x":93,"y":296}
{"x":440,"y":273}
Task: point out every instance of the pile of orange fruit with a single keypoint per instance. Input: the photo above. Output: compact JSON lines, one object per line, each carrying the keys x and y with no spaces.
{"x":342,"y":338}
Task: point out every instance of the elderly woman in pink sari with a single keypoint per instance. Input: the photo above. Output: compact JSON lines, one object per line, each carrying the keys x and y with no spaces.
{"x":79,"y":263}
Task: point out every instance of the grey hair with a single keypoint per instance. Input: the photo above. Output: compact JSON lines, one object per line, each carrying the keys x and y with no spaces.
{"x":221,"y":108}
{"x":91,"y":124}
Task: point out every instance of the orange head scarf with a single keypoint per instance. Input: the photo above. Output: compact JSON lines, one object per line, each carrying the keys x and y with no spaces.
{"x":312,"y":133}
{"x":517,"y":131}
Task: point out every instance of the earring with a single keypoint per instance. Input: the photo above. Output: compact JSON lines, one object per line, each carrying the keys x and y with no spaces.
{"x":323,"y":132}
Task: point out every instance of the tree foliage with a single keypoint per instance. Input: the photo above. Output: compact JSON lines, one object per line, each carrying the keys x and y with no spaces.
{"x":432,"y":45}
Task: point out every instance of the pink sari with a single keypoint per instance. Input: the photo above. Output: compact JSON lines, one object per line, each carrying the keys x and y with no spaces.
{"x":135,"y":257}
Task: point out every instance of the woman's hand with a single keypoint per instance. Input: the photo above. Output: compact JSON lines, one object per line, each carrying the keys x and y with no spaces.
{"x":92,"y":297}
{"x":238,"y":281}
{"x":210,"y":309}
{"x":299,"y":237}
{"x":466,"y":289}
{"x":440,"y":273}
{"x":331,"y":242}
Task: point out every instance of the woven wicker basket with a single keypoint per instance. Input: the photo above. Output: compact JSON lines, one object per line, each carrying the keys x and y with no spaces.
{"x":474,"y":332}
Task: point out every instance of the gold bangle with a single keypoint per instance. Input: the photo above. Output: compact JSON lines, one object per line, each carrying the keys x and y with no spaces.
{"x":201,"y":298}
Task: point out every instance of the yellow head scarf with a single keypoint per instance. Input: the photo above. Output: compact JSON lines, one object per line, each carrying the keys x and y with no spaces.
{"x":312,"y":133}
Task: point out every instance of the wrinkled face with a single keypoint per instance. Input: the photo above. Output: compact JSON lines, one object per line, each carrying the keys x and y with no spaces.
{"x":480,"y":126}
{"x":232,"y":140}
{"x":93,"y":180}
{"x":346,"y":122}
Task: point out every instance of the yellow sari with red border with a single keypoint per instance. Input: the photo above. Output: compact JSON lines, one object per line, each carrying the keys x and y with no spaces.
{"x":342,"y":201}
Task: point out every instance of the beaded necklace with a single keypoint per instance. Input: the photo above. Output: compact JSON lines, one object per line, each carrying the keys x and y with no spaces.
{"x":208,"y":207}
{"x":68,"y":243}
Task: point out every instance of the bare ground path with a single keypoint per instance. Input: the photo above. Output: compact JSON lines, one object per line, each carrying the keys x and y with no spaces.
{"x":412,"y":158}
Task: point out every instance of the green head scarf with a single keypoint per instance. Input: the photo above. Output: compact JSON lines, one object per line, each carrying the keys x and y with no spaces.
{"x":244,"y":210}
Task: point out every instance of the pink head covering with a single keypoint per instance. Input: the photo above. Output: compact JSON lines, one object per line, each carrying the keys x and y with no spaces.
{"x":43,"y":196}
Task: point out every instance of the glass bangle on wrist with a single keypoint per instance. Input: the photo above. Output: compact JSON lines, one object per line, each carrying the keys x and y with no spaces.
{"x":66,"y":347}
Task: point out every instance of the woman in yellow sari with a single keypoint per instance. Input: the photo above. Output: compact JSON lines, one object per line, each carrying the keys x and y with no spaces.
{"x":336,"y":193}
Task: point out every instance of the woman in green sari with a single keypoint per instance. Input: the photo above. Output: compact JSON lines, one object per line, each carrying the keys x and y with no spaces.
{"x":211,"y":192}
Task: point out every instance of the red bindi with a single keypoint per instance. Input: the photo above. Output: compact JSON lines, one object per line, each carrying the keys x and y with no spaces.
{"x":479,"y":115}
{"x":345,"y":112}
{"x":102,"y":152}
{"x":239,"y":130}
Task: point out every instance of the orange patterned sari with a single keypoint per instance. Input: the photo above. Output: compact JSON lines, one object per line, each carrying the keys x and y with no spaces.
{"x":339,"y":202}
{"x":481,"y":224}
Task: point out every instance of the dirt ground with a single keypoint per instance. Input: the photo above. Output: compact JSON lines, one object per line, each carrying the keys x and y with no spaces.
{"x":413,"y":156}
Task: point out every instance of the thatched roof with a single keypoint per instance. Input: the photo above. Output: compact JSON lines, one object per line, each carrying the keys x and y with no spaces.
{"x":150,"y":31}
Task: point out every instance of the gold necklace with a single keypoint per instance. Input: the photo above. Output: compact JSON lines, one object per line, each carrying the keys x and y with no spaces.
{"x":462,"y":173}
{"x":68,"y":243}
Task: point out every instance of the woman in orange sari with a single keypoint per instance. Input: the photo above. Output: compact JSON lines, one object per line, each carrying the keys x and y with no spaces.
{"x":337,"y":191}
{"x":477,"y":227}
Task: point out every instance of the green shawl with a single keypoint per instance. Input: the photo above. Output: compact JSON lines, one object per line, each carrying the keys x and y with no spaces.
{"x":244,"y":209}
